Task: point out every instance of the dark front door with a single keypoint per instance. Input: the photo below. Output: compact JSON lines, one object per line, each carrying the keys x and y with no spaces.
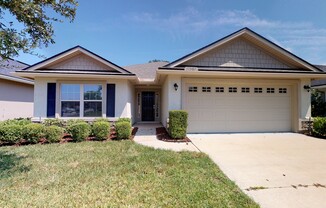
{"x":148,"y":102}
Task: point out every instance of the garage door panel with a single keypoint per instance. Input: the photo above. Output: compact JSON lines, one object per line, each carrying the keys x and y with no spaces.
{"x":238,"y":112}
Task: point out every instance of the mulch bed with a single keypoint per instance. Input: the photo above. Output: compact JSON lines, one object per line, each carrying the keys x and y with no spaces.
{"x":163,"y":135}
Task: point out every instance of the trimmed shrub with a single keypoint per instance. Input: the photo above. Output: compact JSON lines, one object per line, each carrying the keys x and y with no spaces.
{"x":79,"y":131}
{"x":101,"y":119}
{"x":54,"y":122}
{"x":101,"y":130}
{"x":19,"y":121}
{"x":53,"y":133}
{"x":178,"y":123}
{"x":74,"y":121}
{"x":124,"y":120}
{"x":319,"y":126}
{"x":10,"y":133}
{"x":33,"y":132}
{"x":123,"y":129}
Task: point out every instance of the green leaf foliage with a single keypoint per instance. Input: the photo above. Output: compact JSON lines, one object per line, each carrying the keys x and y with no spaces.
{"x":33,"y":132}
{"x":10,"y":133}
{"x":54,"y":122}
{"x":178,"y":123}
{"x":34,"y":26}
{"x":123,"y":129}
{"x":79,"y":131}
{"x":53,"y":133}
{"x":101,"y":130}
{"x":319,"y":126}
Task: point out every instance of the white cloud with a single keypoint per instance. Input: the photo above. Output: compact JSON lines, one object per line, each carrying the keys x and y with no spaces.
{"x":297,"y":37}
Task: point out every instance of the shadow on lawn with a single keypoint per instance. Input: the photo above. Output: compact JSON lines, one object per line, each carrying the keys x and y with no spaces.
{"x":11,"y":163}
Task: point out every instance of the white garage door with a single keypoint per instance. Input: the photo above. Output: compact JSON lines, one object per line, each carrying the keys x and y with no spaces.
{"x":245,"y":107}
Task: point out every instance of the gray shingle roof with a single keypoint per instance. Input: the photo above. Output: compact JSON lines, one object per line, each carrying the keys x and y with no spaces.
{"x":10,"y":65}
{"x":145,"y":71}
{"x":319,"y":82}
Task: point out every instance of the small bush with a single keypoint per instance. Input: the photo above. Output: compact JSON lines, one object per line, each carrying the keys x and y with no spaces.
{"x":10,"y":133}
{"x":123,"y":129}
{"x":54,"y":122}
{"x":178,"y":123}
{"x":79,"y":131}
{"x":33,"y":132}
{"x":74,"y":121}
{"x":53,"y":133}
{"x":20,"y":121}
{"x":319,"y":126}
{"x":101,"y":119}
{"x":124,"y":120}
{"x":101,"y":130}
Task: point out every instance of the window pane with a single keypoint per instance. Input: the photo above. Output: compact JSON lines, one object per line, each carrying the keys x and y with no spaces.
{"x":92,"y":109}
{"x":70,"y":109}
{"x":92,"y":92}
{"x":70,"y":92}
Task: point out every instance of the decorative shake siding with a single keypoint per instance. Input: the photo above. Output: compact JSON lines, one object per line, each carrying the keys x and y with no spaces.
{"x":81,"y":62}
{"x":238,"y":53}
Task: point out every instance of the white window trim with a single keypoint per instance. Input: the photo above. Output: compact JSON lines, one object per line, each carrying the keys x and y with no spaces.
{"x":81,"y":114}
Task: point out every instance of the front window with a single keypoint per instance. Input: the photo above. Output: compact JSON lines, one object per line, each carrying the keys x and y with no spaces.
{"x":92,"y":100}
{"x":71,"y":100}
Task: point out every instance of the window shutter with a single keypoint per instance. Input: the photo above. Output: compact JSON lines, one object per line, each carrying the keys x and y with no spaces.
{"x":50,"y":112}
{"x":110,"y":100}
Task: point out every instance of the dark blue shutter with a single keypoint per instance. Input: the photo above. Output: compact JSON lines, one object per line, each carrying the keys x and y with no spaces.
{"x":50,"y":111}
{"x":110,"y":100}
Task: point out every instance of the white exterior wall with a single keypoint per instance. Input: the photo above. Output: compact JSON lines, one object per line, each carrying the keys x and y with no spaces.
{"x":164,"y":102}
{"x":40,"y":97}
{"x":304,"y":100}
{"x":16,"y":100}
{"x":171,"y":99}
{"x":123,"y":97}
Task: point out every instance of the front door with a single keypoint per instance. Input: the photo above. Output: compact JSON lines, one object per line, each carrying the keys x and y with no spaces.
{"x":148,"y":106}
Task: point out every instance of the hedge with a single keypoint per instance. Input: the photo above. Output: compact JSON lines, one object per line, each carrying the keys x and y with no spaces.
{"x":319,"y":126}
{"x":21,"y":122}
{"x":11,"y":133}
{"x":124,"y":120}
{"x":101,"y":129}
{"x":79,"y":131}
{"x":123,"y":129}
{"x":53,"y":133}
{"x":33,"y":132}
{"x":178,"y":123}
{"x":54,"y":122}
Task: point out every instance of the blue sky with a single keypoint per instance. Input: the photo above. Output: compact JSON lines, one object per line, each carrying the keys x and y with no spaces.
{"x":135,"y":31}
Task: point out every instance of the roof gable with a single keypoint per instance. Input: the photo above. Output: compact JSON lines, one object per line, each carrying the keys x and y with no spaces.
{"x":243,"y":49}
{"x":77,"y":59}
{"x":237,"y":53}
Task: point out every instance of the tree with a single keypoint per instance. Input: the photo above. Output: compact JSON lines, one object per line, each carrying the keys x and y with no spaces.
{"x":37,"y":23}
{"x":157,"y":60}
{"x":318,"y":104}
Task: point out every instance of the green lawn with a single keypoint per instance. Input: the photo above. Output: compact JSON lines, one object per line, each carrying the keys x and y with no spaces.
{"x":111,"y":174}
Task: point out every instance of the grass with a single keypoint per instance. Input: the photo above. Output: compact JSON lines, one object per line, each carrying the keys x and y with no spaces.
{"x":112,"y":174}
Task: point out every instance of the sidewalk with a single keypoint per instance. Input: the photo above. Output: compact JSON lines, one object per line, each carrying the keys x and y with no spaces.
{"x":146,"y":135}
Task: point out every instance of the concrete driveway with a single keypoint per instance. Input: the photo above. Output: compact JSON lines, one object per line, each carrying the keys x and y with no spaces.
{"x":276,"y":170}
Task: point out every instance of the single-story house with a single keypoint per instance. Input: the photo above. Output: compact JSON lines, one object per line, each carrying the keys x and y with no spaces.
{"x":240,"y":83}
{"x":16,"y":93}
{"x":320,"y":85}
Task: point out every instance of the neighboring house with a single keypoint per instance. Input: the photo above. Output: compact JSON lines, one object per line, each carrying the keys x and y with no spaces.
{"x":240,"y":83}
{"x":16,"y":93}
{"x":320,"y":85}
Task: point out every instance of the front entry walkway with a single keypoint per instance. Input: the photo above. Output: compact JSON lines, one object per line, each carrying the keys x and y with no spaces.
{"x":146,"y":135}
